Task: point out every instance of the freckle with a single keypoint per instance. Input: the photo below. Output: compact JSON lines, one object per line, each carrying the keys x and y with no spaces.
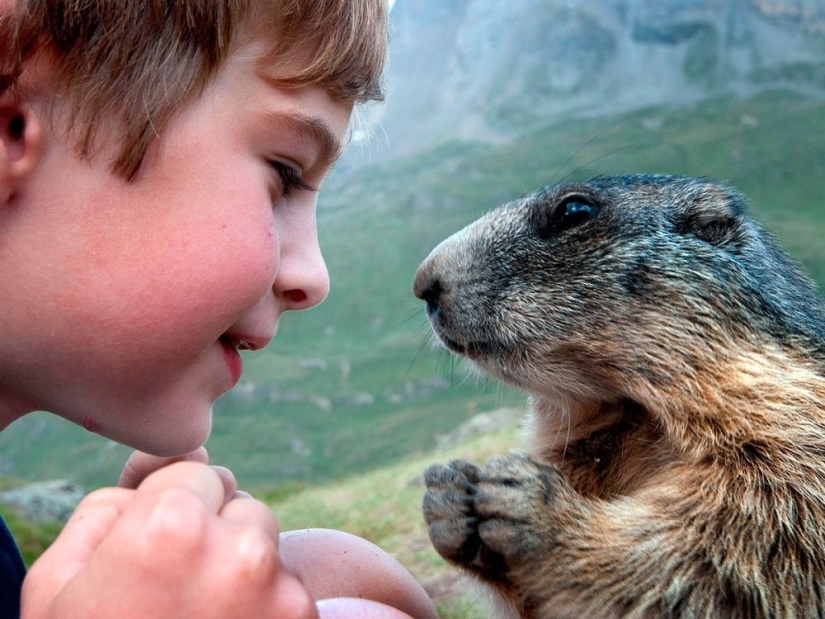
{"x":91,"y":425}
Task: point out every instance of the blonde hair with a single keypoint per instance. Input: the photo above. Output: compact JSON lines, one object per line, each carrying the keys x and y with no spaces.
{"x":134,"y":63}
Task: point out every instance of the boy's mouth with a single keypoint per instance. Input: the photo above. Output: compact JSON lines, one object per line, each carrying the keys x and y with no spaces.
{"x":231,"y":357}
{"x":236,"y":343}
{"x":242,"y":342}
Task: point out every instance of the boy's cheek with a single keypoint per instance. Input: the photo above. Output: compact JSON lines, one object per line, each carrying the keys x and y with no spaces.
{"x":205,"y":292}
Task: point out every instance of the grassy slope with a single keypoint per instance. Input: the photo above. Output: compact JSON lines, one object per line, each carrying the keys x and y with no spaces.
{"x":384,"y":507}
{"x":354,"y":384}
{"x":32,"y":538}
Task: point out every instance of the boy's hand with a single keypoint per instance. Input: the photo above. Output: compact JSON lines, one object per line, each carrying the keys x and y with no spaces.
{"x":178,"y":546}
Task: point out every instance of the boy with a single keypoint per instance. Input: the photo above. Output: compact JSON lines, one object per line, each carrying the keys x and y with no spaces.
{"x":159,"y":163}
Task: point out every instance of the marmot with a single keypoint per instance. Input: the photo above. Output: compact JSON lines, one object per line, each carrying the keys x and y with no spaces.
{"x":674,"y":359}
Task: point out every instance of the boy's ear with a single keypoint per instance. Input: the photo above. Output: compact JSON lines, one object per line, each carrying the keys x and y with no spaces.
{"x":21,"y":144}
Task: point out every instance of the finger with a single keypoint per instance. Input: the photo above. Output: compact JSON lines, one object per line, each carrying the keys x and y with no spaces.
{"x":250,"y":512}
{"x":230,"y":484}
{"x":140,"y":465}
{"x":291,"y":599}
{"x":249,"y":556}
{"x":91,"y":522}
{"x":208,"y":484}
{"x":174,"y":513}
{"x":92,"y":519}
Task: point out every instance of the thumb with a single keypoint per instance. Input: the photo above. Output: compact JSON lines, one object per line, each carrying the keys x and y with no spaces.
{"x":91,"y":522}
{"x":140,"y":465}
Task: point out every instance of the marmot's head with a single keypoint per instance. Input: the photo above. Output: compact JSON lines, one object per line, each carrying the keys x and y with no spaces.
{"x":575,"y":288}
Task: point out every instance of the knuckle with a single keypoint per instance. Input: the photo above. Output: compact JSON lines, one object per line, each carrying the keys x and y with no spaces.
{"x":254,"y":556}
{"x":101,"y":497}
{"x":178,"y":520}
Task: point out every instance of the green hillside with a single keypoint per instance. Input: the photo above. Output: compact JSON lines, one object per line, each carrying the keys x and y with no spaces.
{"x":357,"y":383}
{"x":384,"y":506}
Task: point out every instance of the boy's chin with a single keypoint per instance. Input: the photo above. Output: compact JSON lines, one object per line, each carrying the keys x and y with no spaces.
{"x":178,"y":445}
{"x":171,"y":451}
{"x":169,"y":443}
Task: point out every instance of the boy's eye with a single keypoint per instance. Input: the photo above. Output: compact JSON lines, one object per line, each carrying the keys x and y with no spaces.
{"x":290,"y":178}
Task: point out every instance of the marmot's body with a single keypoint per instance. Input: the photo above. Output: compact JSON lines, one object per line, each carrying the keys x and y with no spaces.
{"x":675,"y":362}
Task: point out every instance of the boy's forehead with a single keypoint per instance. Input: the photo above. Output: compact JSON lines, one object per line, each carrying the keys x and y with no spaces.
{"x":309,"y":111}
{"x":320,"y":116}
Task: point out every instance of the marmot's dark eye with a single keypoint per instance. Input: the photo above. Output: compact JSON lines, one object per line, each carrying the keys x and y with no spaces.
{"x":572,"y":211}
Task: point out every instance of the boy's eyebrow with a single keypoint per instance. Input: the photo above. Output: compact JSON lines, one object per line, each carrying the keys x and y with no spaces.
{"x":311,"y":129}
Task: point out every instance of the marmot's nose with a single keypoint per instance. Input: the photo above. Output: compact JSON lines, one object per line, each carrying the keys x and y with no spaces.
{"x":427,"y":286}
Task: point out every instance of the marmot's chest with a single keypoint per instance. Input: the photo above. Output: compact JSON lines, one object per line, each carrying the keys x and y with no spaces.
{"x":616,"y":460}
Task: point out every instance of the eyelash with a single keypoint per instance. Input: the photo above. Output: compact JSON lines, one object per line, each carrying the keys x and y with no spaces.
{"x":291,"y":180}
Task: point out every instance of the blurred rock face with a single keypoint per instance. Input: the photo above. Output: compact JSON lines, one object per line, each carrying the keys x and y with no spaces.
{"x":490,"y":70}
{"x":47,"y":501}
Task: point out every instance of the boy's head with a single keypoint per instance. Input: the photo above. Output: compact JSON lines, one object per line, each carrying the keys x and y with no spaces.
{"x":131,"y":64}
{"x":158,"y":172}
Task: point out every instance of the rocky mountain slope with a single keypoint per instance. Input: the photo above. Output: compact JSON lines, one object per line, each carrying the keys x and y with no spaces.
{"x":491,"y":70}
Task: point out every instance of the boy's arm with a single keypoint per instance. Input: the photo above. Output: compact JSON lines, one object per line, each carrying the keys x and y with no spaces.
{"x":175,"y":547}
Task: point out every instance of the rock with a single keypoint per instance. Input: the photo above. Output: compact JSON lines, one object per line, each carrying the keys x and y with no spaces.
{"x":486,"y":70}
{"x":479,"y":425}
{"x":47,"y":501}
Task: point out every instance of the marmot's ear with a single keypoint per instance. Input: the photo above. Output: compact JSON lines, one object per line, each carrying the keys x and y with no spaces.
{"x":710,"y":212}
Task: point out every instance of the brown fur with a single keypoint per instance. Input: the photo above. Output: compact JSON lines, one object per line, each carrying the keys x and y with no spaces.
{"x":675,"y":362}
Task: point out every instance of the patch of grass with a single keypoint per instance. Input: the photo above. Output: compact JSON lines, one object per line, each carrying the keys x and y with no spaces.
{"x":384,"y":506}
{"x":31,"y":538}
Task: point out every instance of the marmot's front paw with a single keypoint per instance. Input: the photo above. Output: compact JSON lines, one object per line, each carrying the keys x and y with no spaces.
{"x":450,"y":512}
{"x":486,"y":518}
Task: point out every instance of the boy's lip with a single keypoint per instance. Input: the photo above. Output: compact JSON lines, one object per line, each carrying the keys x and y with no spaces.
{"x":233,"y":360}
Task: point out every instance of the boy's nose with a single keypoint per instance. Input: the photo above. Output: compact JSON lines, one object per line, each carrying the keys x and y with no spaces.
{"x":304,"y":282}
